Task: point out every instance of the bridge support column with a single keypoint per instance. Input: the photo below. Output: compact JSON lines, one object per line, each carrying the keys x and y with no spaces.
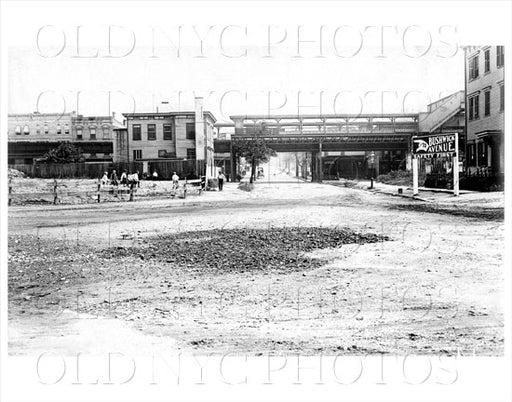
{"x":320,"y":163}
{"x":233,"y":164}
{"x":314,"y":167}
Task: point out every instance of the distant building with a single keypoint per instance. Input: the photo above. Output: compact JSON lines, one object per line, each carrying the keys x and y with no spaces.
{"x":31,"y":135}
{"x":156,"y":137}
{"x":485,"y":105}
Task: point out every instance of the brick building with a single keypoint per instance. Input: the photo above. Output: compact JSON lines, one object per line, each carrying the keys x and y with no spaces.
{"x":485,"y":105}
{"x":31,"y":135}
{"x":157,"y":137}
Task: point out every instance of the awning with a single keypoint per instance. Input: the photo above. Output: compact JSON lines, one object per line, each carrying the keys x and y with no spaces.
{"x":488,"y":134}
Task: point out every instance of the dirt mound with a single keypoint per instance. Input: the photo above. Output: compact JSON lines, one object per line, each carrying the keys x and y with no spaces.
{"x":243,"y":250}
{"x":13,"y":173}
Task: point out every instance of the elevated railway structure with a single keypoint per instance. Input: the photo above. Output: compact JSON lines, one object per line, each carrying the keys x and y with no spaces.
{"x":341,"y":144}
{"x":324,"y":136}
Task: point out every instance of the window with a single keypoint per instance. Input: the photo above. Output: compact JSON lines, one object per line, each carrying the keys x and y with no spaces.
{"x":471,"y":155}
{"x":487,"y":103}
{"x":500,"y":57}
{"x":38,"y":129}
{"x":191,"y":153}
{"x":26,"y":130}
{"x":66,"y":129}
{"x":482,"y":154}
{"x":474,"y":110}
{"x":92,"y":132}
{"x":191,"y":131}
{"x":473,"y":68}
{"x":17,"y":130}
{"x":46,"y":130}
{"x":162,"y":153}
{"x":79,"y":133}
{"x":59,"y":129}
{"x":151,"y":132}
{"x":487,"y":61}
{"x":137,"y":154}
{"x":106,"y":133}
{"x":502,"y":98}
{"x":136,"y":132}
{"x":167,"y":131}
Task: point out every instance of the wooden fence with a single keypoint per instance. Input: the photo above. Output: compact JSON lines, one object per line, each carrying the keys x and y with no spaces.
{"x":190,"y":169}
{"x":185,"y":187}
{"x":58,"y":193}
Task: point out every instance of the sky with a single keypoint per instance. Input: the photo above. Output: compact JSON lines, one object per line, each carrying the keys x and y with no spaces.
{"x":250,"y":58}
{"x":255,"y":84}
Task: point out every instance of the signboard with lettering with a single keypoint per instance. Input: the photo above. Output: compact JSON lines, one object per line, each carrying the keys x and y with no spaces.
{"x":434,"y":146}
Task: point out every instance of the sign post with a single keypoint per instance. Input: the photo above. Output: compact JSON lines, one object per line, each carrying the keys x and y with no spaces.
{"x":455,"y":167}
{"x":415,"y":176}
{"x":436,"y":146}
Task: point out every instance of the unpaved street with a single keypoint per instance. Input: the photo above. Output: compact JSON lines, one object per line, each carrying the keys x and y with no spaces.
{"x":126,"y":276}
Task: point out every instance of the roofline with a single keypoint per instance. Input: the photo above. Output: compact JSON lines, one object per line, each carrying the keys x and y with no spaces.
{"x":322,"y":116}
{"x":205,"y":112}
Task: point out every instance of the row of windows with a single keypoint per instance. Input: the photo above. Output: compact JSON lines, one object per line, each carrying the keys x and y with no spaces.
{"x":474,"y":62}
{"x":92,"y":133}
{"x":26,"y":130}
{"x":167,"y":132}
{"x":162,"y":153}
{"x":474,"y":103}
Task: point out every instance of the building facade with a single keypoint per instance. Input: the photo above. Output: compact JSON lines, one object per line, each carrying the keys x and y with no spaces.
{"x":31,"y":135}
{"x":485,"y":106}
{"x":157,"y":137}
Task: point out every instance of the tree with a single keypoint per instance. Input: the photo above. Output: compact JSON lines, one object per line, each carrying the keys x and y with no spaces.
{"x":254,"y":150}
{"x":64,"y":153}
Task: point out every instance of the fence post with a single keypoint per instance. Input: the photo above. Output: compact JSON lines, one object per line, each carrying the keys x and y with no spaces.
{"x":55,"y":191}
{"x":131,"y":191}
{"x":99,"y":189}
{"x":10,"y":190}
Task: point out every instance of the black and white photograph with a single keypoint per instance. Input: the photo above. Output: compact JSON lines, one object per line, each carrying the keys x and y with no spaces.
{"x":255,"y":200}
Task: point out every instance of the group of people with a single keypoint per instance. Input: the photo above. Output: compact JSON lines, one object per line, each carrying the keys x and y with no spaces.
{"x":125,"y":179}
{"x":129,"y":179}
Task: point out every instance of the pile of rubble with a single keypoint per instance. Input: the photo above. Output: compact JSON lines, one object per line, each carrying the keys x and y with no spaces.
{"x":13,"y":173}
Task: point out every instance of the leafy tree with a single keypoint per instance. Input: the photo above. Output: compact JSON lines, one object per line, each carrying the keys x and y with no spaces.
{"x":254,"y":150}
{"x":64,"y":153}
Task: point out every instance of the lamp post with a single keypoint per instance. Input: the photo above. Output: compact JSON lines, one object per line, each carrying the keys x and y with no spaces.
{"x":372,"y":168}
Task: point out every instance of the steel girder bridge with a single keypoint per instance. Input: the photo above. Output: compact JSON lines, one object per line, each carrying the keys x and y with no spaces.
{"x":320,"y":133}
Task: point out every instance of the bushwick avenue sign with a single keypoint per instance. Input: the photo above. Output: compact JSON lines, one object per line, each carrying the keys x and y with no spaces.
{"x":434,"y":146}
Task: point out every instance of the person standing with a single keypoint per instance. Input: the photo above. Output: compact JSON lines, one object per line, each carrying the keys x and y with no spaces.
{"x":175,"y":180}
{"x":221,"y":178}
{"x":124,"y":178}
{"x":113,"y":178}
{"x":104,"y":179}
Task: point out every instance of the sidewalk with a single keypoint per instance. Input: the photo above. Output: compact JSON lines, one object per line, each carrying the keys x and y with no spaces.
{"x":432,"y":195}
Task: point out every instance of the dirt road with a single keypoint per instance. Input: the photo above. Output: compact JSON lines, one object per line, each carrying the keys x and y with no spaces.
{"x":435,"y":285}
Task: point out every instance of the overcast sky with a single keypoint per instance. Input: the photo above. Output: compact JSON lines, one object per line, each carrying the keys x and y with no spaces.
{"x":254,"y":84}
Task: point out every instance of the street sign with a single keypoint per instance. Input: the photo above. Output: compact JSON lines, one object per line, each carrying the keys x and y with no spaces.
{"x":434,"y":146}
